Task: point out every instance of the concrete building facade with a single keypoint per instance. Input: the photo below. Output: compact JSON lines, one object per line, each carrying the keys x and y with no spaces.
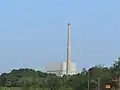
{"x":59,"y":68}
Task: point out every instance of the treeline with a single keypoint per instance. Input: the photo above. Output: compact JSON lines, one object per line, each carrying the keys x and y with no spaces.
{"x":29,"y":79}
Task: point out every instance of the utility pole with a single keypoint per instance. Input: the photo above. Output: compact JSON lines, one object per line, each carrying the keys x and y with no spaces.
{"x":88,"y":81}
{"x":98,"y":83}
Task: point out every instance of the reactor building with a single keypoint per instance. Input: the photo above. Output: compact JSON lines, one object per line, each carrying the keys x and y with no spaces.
{"x":63,"y":68}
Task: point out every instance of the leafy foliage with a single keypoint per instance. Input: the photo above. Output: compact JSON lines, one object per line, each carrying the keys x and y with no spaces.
{"x":29,"y":79}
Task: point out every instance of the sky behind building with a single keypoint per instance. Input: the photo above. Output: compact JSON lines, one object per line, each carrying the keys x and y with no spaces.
{"x":33,"y":32}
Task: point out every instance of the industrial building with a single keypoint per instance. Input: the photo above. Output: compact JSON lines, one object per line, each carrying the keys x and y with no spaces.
{"x":59,"y":68}
{"x":63,"y":68}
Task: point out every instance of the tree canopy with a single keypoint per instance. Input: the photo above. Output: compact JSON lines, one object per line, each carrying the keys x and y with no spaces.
{"x":25,"y":79}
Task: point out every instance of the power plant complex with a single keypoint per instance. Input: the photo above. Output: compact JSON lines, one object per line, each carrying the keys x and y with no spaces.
{"x":63,"y":68}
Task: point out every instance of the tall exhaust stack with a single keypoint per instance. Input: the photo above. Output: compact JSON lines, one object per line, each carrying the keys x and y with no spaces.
{"x":68,"y":51}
